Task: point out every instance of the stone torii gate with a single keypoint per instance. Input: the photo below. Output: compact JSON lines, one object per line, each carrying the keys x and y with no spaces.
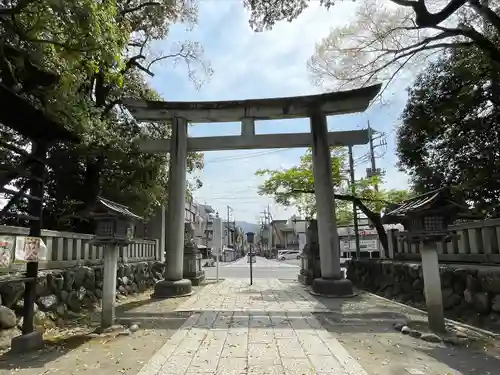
{"x":315,"y":107}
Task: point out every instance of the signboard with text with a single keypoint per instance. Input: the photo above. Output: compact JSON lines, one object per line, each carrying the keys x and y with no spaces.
{"x":7,"y":244}
{"x":365,"y":245}
{"x":29,"y":249}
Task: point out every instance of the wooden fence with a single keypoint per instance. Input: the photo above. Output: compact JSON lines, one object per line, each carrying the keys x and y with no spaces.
{"x":67,"y":249}
{"x":475,"y":242}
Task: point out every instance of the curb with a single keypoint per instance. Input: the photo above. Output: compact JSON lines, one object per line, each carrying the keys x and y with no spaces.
{"x":496,"y":336}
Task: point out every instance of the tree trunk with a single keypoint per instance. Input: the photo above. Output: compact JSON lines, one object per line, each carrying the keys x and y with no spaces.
{"x":374,"y":217}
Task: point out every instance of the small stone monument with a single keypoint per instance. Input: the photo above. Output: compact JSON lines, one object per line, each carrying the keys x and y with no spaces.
{"x":192,"y":257}
{"x":426,"y":219}
{"x":114,"y":230}
{"x":310,"y":263}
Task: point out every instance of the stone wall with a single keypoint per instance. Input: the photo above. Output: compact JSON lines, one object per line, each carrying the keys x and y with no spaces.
{"x":470,"y":293}
{"x":62,"y":293}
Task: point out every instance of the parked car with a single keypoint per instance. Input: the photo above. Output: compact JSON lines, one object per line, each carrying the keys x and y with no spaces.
{"x":289,"y":254}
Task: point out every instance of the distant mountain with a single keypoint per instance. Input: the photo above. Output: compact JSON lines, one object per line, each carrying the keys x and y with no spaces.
{"x":248,"y":227}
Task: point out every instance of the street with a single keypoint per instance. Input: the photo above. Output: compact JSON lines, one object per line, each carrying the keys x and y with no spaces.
{"x":262,"y":268}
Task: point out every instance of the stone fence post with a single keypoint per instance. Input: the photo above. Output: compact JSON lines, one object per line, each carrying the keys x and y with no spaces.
{"x":392,"y":243}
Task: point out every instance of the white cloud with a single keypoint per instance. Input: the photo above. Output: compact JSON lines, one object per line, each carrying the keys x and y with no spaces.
{"x":253,"y":65}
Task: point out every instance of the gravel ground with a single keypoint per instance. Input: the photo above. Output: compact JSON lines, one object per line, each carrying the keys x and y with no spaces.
{"x":74,"y":349}
{"x":364,"y":325}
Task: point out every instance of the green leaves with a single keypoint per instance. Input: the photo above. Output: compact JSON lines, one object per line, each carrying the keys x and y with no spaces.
{"x":450,"y":131}
{"x":294,"y":187}
{"x":90,"y":45}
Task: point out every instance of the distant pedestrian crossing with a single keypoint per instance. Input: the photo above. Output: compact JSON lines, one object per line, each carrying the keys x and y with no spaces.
{"x":260,"y":263}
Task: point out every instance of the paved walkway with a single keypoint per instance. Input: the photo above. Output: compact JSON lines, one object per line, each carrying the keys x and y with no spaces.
{"x":267,"y":328}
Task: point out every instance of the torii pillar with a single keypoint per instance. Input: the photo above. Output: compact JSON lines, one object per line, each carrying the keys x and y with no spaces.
{"x":315,"y":107}
{"x":173,"y":283}
{"x":331,"y":282}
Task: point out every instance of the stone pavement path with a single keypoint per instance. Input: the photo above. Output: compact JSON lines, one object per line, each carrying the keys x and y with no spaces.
{"x":267,"y":328}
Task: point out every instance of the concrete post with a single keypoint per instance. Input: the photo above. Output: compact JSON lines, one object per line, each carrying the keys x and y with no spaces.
{"x":217,"y":241}
{"x":391,"y":240}
{"x":109,"y":286}
{"x":174,"y":284}
{"x":432,"y":288}
{"x":159,"y":251}
{"x":331,"y":281}
{"x":163,"y":234}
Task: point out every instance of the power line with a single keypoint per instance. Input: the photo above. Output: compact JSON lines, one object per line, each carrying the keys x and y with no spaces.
{"x":246,"y":156}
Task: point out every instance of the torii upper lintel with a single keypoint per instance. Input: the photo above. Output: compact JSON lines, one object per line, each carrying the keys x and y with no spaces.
{"x":333,"y":103}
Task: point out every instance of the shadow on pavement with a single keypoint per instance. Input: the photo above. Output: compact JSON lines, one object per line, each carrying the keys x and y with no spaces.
{"x":467,"y":361}
{"x":149,"y":320}
{"x":148,"y":313}
{"x":364,"y":325}
{"x":51,"y":352}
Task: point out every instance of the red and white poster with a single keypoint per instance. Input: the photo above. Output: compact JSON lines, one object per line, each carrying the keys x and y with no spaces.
{"x":30,"y":249}
{"x":6,"y":249}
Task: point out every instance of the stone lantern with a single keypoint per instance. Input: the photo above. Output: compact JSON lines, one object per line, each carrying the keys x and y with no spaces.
{"x":192,"y":257}
{"x":310,"y":262}
{"x":426,"y":219}
{"x":114,"y":223}
{"x":114,"y":230}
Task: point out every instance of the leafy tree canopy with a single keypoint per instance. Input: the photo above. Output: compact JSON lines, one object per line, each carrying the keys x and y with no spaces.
{"x":450,"y":130}
{"x":293,"y":187}
{"x":95,"y":53}
{"x":385,"y":36}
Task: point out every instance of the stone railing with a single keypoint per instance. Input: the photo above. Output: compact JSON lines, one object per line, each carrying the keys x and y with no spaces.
{"x":67,"y":249}
{"x":475,"y":242}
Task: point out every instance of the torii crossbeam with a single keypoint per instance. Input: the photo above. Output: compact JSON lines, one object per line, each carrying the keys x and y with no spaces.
{"x":316,"y":107}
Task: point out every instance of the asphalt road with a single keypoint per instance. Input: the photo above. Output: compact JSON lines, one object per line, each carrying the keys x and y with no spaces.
{"x":262,"y":268}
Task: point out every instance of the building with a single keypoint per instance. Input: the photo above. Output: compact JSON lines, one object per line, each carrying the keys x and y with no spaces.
{"x":285,"y":234}
{"x":291,"y":235}
{"x":198,"y":215}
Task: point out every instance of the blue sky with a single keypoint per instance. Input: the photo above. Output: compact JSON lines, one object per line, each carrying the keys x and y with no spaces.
{"x":258,"y":65}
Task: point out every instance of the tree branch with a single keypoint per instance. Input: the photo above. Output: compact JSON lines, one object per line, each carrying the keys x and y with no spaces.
{"x":16,"y":9}
{"x":374,"y":217}
{"x":486,"y":12}
{"x":178,"y":54}
{"x":139,"y":7}
{"x":424,"y":18}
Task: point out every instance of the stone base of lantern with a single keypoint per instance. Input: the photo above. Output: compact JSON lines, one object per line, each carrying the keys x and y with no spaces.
{"x":192,"y":266}
{"x":332,"y":288}
{"x":172,"y":289}
{"x":26,"y":343}
{"x":304,"y":279}
{"x":196,"y":279}
{"x":310,"y":269}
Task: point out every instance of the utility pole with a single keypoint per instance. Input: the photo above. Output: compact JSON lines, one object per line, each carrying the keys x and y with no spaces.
{"x":354,"y":207}
{"x":229,"y":210}
{"x":373,"y":171}
{"x":265,"y":229}
{"x":372,"y":154}
{"x":269,"y":230}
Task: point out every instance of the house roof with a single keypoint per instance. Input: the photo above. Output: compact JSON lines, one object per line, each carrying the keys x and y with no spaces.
{"x":117,"y":208}
{"x":439,"y":198}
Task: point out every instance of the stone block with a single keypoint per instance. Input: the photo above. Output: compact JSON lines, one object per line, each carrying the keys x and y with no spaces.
{"x":170,"y":289}
{"x":467,"y":290}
